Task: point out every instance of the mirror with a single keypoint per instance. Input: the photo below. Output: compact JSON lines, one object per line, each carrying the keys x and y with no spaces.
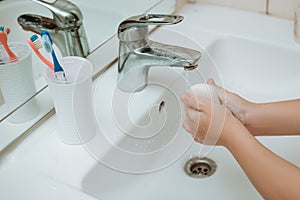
{"x":100,"y":18}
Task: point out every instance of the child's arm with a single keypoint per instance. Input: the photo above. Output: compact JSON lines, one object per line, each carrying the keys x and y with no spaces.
{"x":278,"y":118}
{"x":272,"y":176}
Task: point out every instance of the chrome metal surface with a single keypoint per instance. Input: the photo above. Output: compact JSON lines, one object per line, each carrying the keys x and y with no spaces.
{"x":137,"y":53}
{"x":66,"y":27}
{"x":200,"y":167}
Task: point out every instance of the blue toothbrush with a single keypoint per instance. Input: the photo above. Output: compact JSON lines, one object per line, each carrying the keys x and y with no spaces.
{"x":58,"y":70}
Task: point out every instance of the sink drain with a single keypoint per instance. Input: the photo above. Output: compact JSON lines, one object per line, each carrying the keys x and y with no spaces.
{"x":200,"y":167}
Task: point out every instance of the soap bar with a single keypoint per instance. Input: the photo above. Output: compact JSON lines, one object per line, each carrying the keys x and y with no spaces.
{"x":205,"y":91}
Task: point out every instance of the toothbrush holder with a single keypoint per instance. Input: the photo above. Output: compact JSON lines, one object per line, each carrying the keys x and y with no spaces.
{"x":76,"y":122}
{"x":17,"y":83}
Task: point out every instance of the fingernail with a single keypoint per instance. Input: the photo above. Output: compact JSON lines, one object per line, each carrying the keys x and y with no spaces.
{"x":184,"y":97}
{"x":210,"y":81}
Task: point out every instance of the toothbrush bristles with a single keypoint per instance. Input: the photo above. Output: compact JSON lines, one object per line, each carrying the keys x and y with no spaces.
{"x":47,"y":44}
{"x":7,"y":30}
{"x":60,"y":76}
{"x":36,"y":41}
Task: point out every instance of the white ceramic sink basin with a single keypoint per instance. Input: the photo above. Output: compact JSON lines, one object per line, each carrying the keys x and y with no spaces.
{"x":141,"y":148}
{"x":257,"y":70}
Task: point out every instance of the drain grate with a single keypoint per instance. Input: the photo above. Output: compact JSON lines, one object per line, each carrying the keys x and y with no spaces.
{"x":200,"y":167}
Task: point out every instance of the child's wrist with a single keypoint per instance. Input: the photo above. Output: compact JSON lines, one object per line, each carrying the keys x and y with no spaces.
{"x":232,"y":133}
{"x":249,"y":116}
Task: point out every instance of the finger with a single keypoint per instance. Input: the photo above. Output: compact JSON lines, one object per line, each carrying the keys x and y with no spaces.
{"x":190,"y":100}
{"x":195,"y":131}
{"x":192,"y":115}
{"x":211,"y":81}
{"x":191,"y":131}
{"x":187,"y":127}
{"x":199,"y":138}
{"x":220,"y":91}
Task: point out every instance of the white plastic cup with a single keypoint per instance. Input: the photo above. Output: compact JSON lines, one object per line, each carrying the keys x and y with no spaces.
{"x":17,"y":83}
{"x":76,"y":122}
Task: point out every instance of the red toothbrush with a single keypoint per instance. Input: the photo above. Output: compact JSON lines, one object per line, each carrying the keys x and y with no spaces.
{"x":3,"y":40}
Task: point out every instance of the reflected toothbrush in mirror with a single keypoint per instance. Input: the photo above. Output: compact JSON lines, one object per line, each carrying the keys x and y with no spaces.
{"x":6,"y":30}
{"x":35,"y":43}
{"x":47,"y":43}
{"x":3,"y":41}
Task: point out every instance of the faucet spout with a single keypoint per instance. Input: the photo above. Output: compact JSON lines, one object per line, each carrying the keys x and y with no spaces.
{"x":137,"y":53}
{"x":36,"y":24}
{"x":134,"y":65}
{"x":65,"y":13}
{"x":66,"y":28}
{"x":169,"y":55}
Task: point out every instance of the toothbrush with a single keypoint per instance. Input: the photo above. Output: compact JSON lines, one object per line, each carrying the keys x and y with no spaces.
{"x":47,"y":42}
{"x":3,"y":40}
{"x":35,"y":42}
{"x":7,"y":30}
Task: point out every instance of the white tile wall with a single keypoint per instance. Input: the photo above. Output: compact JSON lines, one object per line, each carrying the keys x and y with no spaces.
{"x":283,"y":8}
{"x":278,"y":8}
{"x":251,"y":5}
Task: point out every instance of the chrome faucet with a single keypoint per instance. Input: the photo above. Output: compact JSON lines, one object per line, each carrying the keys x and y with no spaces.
{"x":66,"y":27}
{"x":137,"y":53}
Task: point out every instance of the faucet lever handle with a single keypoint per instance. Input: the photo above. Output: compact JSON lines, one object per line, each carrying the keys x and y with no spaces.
{"x":149,"y":19}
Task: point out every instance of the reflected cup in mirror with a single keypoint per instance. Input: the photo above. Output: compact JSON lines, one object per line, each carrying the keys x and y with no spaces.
{"x":17,"y":83}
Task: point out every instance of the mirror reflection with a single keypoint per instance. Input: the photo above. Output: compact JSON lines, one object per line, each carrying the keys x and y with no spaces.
{"x":97,"y":22}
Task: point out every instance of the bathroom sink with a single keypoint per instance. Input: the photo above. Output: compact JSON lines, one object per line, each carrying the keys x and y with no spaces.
{"x":255,"y":69}
{"x":141,"y":149}
{"x":259,"y":71}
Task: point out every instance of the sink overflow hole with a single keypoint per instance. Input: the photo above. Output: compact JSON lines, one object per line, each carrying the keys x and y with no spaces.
{"x":161,"y":106}
{"x":200,"y":167}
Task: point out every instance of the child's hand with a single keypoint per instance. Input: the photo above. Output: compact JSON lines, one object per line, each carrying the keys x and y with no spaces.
{"x":209,"y":123}
{"x":236,"y":104}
